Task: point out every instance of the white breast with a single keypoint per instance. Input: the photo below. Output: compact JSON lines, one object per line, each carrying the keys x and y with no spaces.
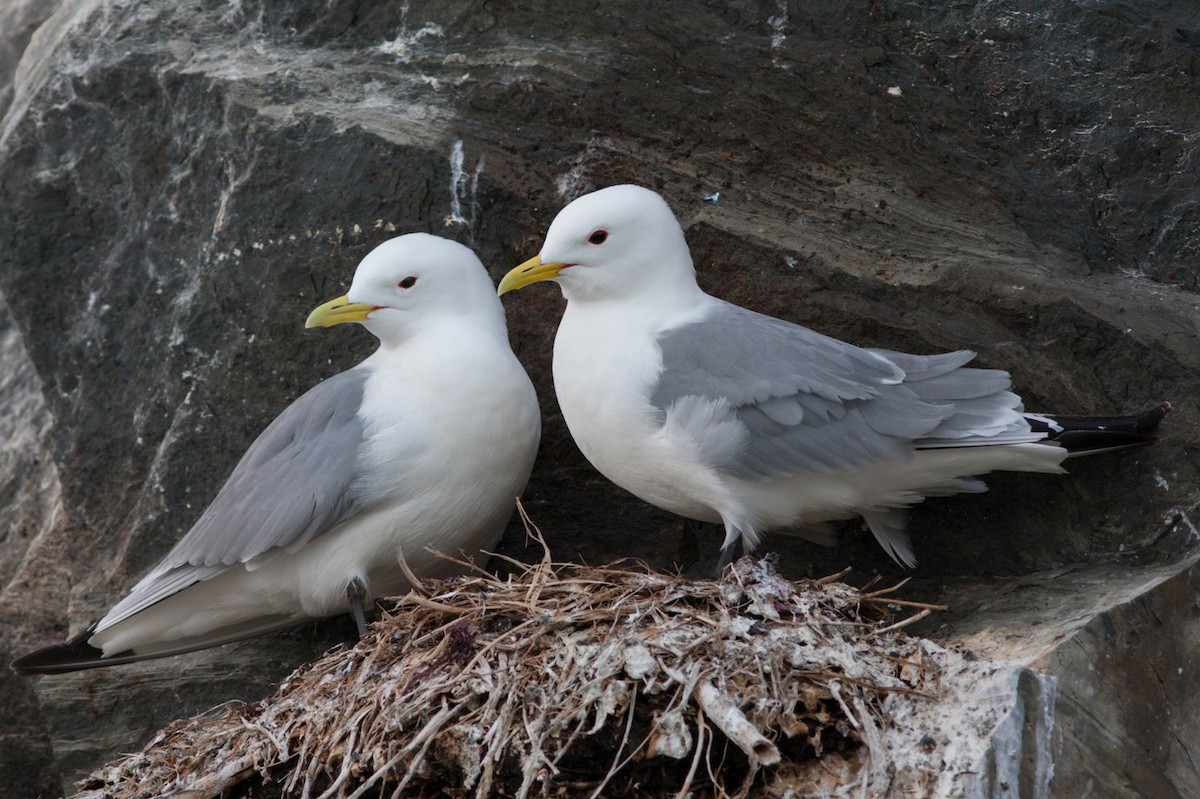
{"x":448,"y":453}
{"x":606,"y":363}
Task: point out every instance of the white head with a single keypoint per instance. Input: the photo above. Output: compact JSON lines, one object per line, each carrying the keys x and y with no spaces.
{"x":407,"y":281}
{"x":618,"y":242}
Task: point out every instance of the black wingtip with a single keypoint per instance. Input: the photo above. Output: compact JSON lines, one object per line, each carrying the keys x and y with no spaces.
{"x":1094,"y":434}
{"x":1156,"y":415}
{"x":1093,"y":442}
{"x":74,"y":655}
{"x":1133,"y":423}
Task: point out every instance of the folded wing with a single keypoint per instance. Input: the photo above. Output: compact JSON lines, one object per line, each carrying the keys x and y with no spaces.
{"x":806,"y":402}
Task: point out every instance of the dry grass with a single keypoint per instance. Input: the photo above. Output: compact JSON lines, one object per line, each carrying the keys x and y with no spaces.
{"x":564,"y":681}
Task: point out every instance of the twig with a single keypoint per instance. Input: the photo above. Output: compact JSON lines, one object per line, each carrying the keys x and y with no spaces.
{"x":701,"y":729}
{"x":433,"y":727}
{"x":414,"y":582}
{"x":730,"y":720}
{"x":908,"y":603}
{"x":417,"y":599}
{"x":214,"y":785}
{"x":833,"y":578}
{"x":617,"y":763}
{"x":913,"y":619}
{"x":885,"y":591}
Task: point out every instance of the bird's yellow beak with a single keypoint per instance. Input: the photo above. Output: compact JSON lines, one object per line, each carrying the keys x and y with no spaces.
{"x":337,"y":312}
{"x":532,"y":271}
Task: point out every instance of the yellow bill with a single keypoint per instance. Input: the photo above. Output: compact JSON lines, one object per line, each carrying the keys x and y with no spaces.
{"x":337,"y":312}
{"x":532,"y":271}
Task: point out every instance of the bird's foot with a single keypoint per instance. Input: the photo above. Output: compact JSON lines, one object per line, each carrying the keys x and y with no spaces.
{"x":727,"y":554}
{"x":689,"y":545}
{"x":356,"y":592}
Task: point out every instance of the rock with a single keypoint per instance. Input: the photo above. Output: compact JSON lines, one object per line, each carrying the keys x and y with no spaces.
{"x":187,"y":180}
{"x":1104,"y":686}
{"x":30,"y":507}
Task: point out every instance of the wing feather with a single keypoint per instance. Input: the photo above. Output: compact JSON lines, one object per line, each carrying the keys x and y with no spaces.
{"x":809,"y":402}
{"x":295,"y":482}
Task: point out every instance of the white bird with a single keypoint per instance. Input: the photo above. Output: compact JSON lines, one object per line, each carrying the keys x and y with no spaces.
{"x":721,"y":414}
{"x":426,"y":443}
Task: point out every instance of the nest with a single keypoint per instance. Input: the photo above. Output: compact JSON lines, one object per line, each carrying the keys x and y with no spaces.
{"x":565,"y":681}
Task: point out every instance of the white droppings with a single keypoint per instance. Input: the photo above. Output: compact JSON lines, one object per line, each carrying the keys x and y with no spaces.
{"x":895,"y":91}
{"x":234,"y":183}
{"x":463,"y":190}
{"x":790,"y":261}
{"x":1178,"y":516}
{"x":778,"y":23}
{"x":639,"y":662}
{"x":572,"y":182}
{"x":1161,"y":481}
{"x":673,"y":737}
{"x":401,"y":48}
{"x":1025,"y":737}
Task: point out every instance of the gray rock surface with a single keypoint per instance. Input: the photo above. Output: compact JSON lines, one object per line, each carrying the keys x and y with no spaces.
{"x":185,"y":181}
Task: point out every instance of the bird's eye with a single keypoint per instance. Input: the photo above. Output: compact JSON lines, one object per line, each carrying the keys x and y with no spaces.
{"x":598,"y":237}
{"x":407,"y":282}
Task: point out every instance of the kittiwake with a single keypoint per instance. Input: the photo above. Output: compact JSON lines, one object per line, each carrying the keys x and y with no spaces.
{"x":425,"y":444}
{"x":724,"y":415}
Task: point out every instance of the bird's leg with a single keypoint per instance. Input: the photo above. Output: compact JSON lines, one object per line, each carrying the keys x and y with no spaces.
{"x":356,"y":592}
{"x":727,"y":554}
{"x":689,"y":546}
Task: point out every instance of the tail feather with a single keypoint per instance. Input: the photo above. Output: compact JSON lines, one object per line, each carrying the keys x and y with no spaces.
{"x":73,"y":655}
{"x":1089,"y":435}
{"x":890,"y":526}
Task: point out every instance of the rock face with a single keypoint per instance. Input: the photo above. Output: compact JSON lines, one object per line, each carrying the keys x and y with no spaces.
{"x":185,"y":181}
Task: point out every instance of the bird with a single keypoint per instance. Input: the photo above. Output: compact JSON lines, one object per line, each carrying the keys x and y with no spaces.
{"x":424,"y":444}
{"x":721,"y":414}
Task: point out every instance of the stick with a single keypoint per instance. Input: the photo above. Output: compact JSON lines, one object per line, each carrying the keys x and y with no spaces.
{"x":414,"y":582}
{"x":730,"y":720}
{"x":832,"y":578}
{"x":883,"y":591}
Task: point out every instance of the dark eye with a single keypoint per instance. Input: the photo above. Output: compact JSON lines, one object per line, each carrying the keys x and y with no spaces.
{"x":598,"y":237}
{"x":407,"y":282}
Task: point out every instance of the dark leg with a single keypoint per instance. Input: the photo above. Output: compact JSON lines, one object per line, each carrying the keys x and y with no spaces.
{"x":727,"y":554}
{"x":689,"y":546}
{"x":356,"y":592}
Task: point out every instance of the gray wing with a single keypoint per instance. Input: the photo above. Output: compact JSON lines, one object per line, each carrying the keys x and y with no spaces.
{"x":808,"y":402}
{"x":295,"y":482}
